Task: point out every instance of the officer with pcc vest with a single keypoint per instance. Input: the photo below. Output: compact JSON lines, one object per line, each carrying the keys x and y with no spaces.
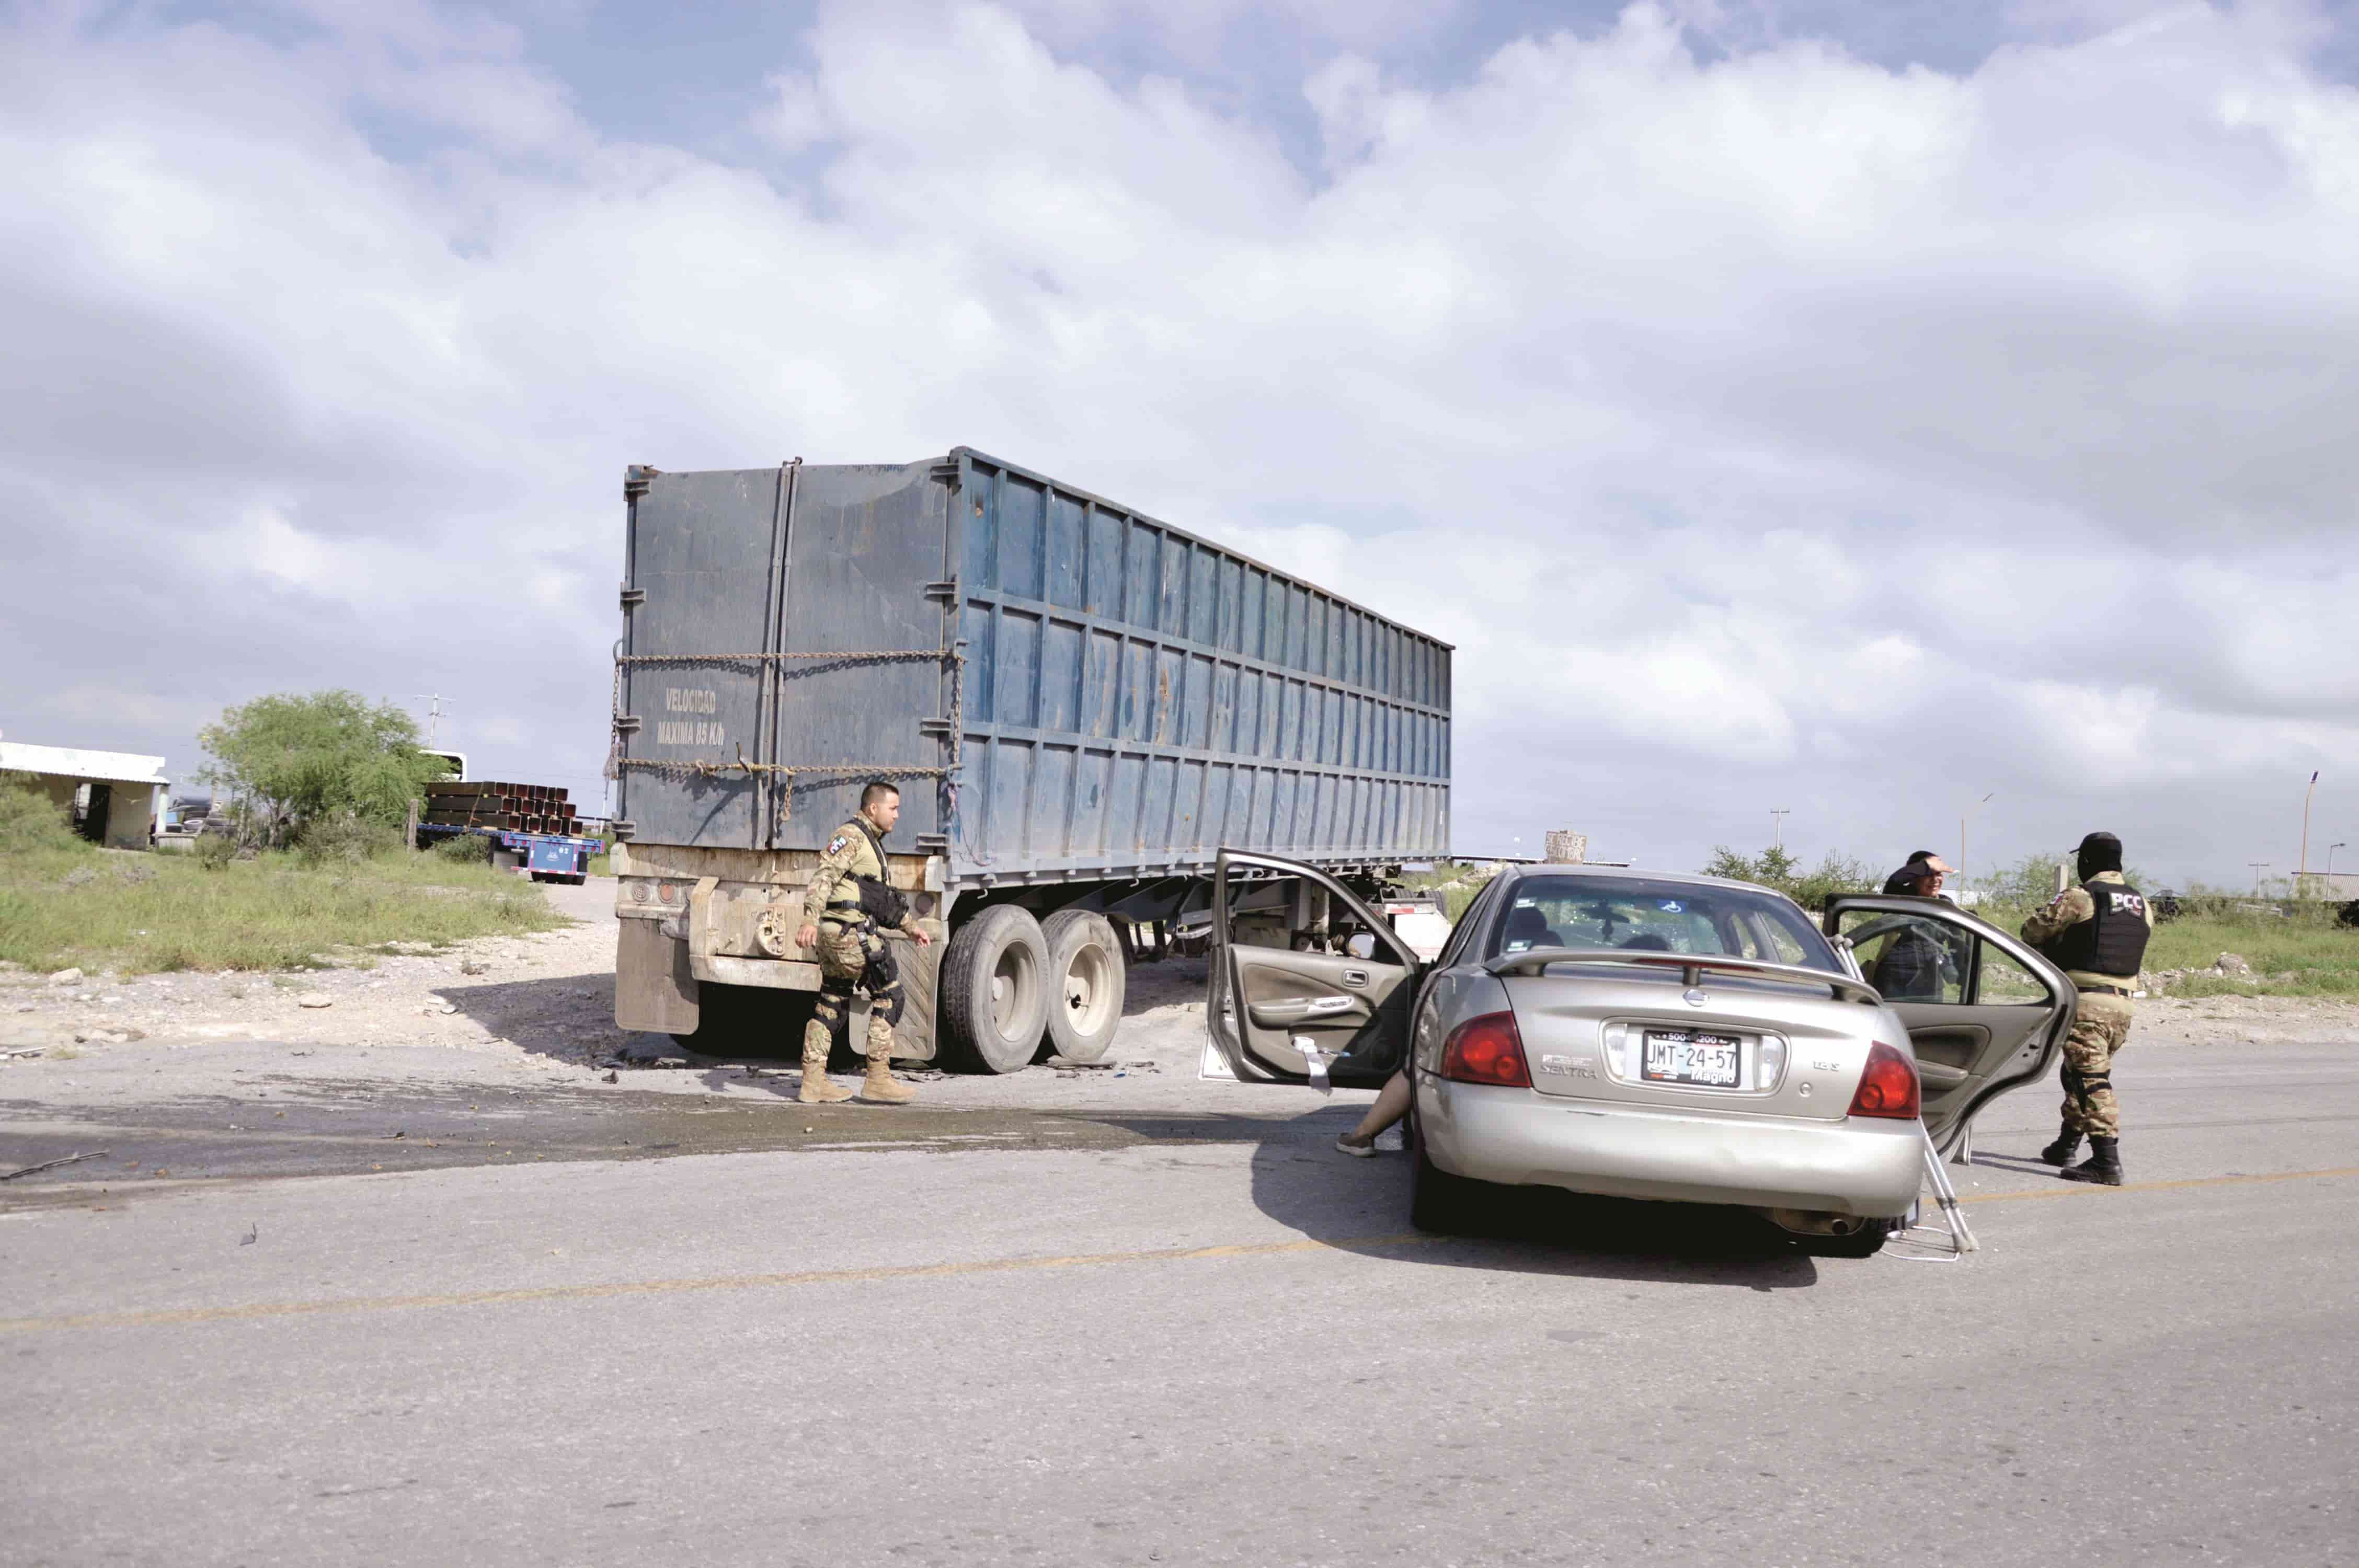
{"x":2096,"y":933}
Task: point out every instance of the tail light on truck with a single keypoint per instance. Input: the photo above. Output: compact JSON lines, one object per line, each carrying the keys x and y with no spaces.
{"x":1888,"y":1085}
{"x":1486,"y":1050}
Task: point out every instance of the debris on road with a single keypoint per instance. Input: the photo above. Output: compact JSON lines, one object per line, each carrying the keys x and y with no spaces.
{"x":66,"y":977}
{"x":52,"y":1165}
{"x":315,"y":998}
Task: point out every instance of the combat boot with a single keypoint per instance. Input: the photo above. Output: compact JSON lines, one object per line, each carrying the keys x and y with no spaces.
{"x":2067,"y":1144}
{"x":881,"y":1088}
{"x":817,"y":1089}
{"x":2104,"y":1164}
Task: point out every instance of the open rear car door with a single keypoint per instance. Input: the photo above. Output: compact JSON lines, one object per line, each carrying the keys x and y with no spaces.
{"x":1985,"y":1012}
{"x":1279,"y":1016}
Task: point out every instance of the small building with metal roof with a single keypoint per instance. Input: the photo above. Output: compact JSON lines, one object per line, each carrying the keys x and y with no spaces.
{"x":113,"y":796}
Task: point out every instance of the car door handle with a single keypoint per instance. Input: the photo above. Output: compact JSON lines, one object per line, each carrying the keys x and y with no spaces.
{"x":1356,"y":977}
{"x":1313,"y":1007}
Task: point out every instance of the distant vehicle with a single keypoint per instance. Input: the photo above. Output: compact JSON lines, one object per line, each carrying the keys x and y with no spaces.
{"x":2165,"y":905}
{"x":1650,"y":1035}
{"x":531,"y":827}
{"x":1419,"y":920}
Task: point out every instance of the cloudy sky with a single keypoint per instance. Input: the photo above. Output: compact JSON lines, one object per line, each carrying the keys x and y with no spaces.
{"x":1853,"y":408}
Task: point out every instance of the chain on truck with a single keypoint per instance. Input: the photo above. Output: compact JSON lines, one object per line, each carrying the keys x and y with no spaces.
{"x":1079,"y":705}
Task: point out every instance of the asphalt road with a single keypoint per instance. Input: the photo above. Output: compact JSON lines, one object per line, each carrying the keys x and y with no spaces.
{"x":911,"y":1336}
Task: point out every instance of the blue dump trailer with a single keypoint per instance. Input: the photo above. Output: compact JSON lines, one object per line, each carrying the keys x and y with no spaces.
{"x":1079,"y":705}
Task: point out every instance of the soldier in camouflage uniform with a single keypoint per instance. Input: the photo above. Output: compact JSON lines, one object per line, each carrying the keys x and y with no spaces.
{"x":2096,"y":933}
{"x":852,"y":952}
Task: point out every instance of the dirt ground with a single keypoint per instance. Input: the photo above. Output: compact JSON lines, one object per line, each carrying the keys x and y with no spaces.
{"x":510,"y":1012}
{"x":497,"y":1012}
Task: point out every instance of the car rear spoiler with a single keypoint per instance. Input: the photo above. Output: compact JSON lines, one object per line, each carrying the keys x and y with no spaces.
{"x":1691,"y":968}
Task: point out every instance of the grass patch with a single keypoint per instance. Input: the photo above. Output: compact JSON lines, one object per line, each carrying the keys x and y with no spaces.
{"x":143,"y":914}
{"x":2299,"y":953}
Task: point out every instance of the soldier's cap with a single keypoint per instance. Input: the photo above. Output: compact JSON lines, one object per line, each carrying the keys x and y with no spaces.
{"x":2100,"y":852}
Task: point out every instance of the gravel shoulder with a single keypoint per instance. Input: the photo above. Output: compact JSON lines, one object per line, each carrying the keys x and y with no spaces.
{"x":508,"y":1013}
{"x":515,"y":1012}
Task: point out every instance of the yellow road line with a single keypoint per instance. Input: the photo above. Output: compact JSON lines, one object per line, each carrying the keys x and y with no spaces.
{"x":257,"y":1310}
{"x":673,"y":1287}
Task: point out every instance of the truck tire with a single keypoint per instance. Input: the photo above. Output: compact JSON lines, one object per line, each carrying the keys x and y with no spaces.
{"x":1086,"y":983}
{"x":995,"y":993}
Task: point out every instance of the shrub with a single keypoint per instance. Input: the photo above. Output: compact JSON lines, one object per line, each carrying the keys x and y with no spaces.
{"x":1775,"y":868}
{"x":467,"y":848}
{"x":29,"y":819}
{"x":346,"y":838}
{"x":215,"y":850}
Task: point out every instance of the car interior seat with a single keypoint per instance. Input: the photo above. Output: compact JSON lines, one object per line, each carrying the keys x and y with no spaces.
{"x":1647,"y":942}
{"x":1528,"y":928}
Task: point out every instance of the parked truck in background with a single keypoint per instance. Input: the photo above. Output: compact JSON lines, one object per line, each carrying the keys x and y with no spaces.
{"x":1079,"y":705}
{"x":531,"y":828}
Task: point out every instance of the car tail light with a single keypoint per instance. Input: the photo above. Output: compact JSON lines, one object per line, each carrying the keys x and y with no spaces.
{"x":1887,"y":1085}
{"x":1486,"y":1050}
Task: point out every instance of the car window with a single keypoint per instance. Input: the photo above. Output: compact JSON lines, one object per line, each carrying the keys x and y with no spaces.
{"x":2000,"y":979}
{"x":1909,"y":958}
{"x":1779,"y":944}
{"x":1639,"y":914}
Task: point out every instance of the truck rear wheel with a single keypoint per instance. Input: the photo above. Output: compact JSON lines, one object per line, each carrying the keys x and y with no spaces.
{"x":1086,"y":982}
{"x":995,"y":992}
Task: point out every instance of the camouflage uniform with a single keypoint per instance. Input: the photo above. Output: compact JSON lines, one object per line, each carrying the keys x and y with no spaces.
{"x":852,"y":952}
{"x":2101,"y":1026}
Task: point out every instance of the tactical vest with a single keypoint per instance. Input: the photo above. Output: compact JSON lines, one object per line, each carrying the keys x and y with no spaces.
{"x":2110,"y":942}
{"x":874,"y":897}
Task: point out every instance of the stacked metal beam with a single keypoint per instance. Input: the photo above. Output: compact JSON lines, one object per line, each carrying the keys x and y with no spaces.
{"x":516,"y":807}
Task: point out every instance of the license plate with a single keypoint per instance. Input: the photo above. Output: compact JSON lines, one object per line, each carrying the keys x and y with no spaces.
{"x":1691,"y":1056}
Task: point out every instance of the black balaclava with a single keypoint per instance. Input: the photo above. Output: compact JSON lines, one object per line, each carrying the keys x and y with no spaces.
{"x":2100,"y":852}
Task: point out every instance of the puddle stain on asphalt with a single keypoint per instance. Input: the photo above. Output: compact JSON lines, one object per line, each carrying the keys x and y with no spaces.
{"x":338,"y":1129}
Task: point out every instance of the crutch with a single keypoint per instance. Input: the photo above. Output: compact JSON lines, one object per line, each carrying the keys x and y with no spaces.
{"x":1953,"y":1240}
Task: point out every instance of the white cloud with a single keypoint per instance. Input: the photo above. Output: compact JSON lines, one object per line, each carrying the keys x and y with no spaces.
{"x":1776,"y":424}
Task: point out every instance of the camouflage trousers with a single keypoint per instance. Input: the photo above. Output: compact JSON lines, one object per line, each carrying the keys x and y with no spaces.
{"x":854,"y":957}
{"x":2098,"y":1034}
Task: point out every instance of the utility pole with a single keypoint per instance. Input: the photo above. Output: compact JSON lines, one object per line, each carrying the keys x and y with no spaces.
{"x":1777,"y":815}
{"x":2305,"y":833}
{"x":1961,"y":834}
{"x":2258,"y":867}
{"x":433,"y":714}
{"x":2330,"y":856}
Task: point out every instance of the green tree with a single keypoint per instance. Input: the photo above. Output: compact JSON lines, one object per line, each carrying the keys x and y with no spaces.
{"x":1777,"y":868}
{"x":292,"y":759}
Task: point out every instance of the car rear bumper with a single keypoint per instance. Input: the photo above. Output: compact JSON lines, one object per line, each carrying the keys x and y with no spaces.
{"x":1858,"y":1165}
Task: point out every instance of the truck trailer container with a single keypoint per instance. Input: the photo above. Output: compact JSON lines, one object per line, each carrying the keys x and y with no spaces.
{"x":1079,"y":705}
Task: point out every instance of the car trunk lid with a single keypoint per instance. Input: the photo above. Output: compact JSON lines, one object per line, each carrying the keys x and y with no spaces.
{"x":1729,"y":1038}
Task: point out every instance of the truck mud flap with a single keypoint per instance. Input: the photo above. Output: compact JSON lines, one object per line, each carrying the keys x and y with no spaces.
{"x":653,"y":989}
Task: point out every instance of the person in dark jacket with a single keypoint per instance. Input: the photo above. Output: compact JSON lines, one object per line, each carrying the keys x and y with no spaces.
{"x":1916,"y":965}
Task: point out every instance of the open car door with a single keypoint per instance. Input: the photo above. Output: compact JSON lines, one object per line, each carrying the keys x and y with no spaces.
{"x":1277,"y":1016}
{"x":1986,"y":1012}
